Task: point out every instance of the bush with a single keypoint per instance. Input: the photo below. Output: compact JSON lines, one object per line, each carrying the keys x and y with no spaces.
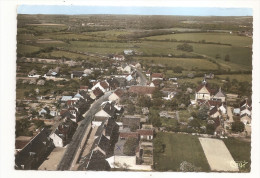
{"x":238,"y":126}
{"x":185,"y":47}
{"x":130,"y":146}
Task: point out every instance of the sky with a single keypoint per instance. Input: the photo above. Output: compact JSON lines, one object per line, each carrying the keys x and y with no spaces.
{"x":77,"y":10}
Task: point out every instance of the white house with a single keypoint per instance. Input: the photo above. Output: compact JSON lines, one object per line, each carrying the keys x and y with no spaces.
{"x":219,"y":96}
{"x":57,"y":139}
{"x":203,"y":92}
{"x":118,"y":57}
{"x":214,"y":113}
{"x":116,"y":95}
{"x":246,"y":120}
{"x":157,"y":76}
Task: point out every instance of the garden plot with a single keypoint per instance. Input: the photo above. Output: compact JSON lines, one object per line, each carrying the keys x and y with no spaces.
{"x":217,"y":154}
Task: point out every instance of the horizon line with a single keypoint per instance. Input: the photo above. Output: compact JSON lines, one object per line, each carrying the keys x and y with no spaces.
{"x":131,"y":10}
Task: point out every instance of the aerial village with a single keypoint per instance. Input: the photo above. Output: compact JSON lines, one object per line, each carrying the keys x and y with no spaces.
{"x":110,"y":120}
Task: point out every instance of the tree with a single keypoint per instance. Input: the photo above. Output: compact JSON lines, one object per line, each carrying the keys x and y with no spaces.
{"x":203,"y":113}
{"x":158,"y":145}
{"x":144,"y":101}
{"x":177,"y":69}
{"x":130,"y":108}
{"x":185,"y":47}
{"x":157,"y":94}
{"x":195,"y":123}
{"x":227,"y":58}
{"x":210,"y":129}
{"x":238,"y":126}
{"x":130,"y":146}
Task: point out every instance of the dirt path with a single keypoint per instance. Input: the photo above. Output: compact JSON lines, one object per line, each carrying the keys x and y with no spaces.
{"x":230,"y":114}
{"x":218,"y":156}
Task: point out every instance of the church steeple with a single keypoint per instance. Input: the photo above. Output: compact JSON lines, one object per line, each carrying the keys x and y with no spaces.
{"x":204,"y":82}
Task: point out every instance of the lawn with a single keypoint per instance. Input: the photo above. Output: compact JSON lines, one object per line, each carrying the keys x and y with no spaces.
{"x":179,"y":148}
{"x":240,"y":151}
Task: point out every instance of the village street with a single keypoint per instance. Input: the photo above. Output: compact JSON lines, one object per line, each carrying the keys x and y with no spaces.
{"x":78,"y":138}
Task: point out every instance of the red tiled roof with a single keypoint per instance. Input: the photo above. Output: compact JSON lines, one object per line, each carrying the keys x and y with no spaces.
{"x":71,"y":102}
{"x":214,"y":103}
{"x":157,"y":75}
{"x":119,"y":92}
{"x":157,"y":82}
{"x":145,"y":131}
{"x":98,"y":92}
{"x":128,"y":135}
{"x":141,"y":90}
{"x":83,"y":87}
{"x":213,"y":111}
{"x":104,"y":84}
{"x":206,"y":86}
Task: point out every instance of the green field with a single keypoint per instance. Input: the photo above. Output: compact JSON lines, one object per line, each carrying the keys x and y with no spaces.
{"x":224,"y":38}
{"x":240,"y":151}
{"x":24,"y":49}
{"x":186,"y":63}
{"x":179,"y":148}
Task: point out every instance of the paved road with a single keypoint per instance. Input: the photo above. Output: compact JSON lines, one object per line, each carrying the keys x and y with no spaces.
{"x":73,"y":147}
{"x":142,"y":77}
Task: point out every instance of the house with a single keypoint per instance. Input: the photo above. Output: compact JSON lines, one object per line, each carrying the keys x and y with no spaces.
{"x":77,"y":74}
{"x":157,"y":76}
{"x":128,"y":52}
{"x":120,"y":160}
{"x":106,"y":111}
{"x":66,"y":98}
{"x":116,"y":95}
{"x":142,"y":90}
{"x":72,"y":114}
{"x":146,"y":134}
{"x":215,"y":112}
{"x":96,"y":93}
{"x":33,"y":73}
{"x":209,"y":76}
{"x":52,"y":73}
{"x":126,"y":135}
{"x":245,"y":108}
{"x":44,"y":111}
{"x":118,"y":57}
{"x":63,"y":132}
{"x":236,"y":111}
{"x":136,"y":65}
{"x":203,"y":92}
{"x":219,"y":96}
{"x":88,"y":71}
{"x":131,"y":122}
{"x":148,"y":74}
{"x":35,"y":152}
{"x":103,"y":86}
{"x":156,"y":83}
{"x":245,"y":119}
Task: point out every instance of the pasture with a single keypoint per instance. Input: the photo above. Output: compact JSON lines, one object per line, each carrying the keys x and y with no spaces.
{"x":186,"y":63}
